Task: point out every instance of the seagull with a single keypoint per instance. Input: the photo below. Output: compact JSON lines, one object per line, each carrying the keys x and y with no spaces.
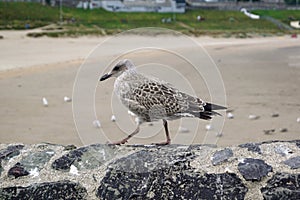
{"x":151,"y":99}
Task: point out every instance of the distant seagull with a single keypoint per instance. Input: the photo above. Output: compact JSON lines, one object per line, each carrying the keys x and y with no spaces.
{"x":151,"y":99}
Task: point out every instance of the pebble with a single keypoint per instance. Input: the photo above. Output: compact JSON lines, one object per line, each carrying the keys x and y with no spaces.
{"x":45,"y":102}
{"x":34,"y":172}
{"x":230,"y":115}
{"x":113,"y":118}
{"x":275,"y":115}
{"x":219,"y":134}
{"x":208,"y":127}
{"x":17,"y":171}
{"x":96,"y":123}
{"x":73,"y":170}
{"x":283,"y":130}
{"x":270,"y":131}
{"x":67,"y":99}
{"x":298,"y":120}
{"x":253,"y":117}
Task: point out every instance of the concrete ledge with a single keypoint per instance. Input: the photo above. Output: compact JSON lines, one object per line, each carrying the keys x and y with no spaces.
{"x":268,"y":170}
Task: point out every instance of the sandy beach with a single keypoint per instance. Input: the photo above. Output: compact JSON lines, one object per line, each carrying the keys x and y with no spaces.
{"x":261,"y":77}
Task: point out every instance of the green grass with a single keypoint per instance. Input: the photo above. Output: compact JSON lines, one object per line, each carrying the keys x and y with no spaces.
{"x":283,"y":15}
{"x":99,"y":21}
{"x":214,"y":20}
{"x":16,"y":15}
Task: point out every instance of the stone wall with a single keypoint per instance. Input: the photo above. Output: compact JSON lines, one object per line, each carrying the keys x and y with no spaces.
{"x":268,"y":170}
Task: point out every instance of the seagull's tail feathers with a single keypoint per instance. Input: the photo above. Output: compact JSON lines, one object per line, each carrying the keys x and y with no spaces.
{"x":195,"y":107}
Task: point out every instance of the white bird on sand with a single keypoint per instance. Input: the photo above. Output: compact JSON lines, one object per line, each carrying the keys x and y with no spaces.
{"x":151,"y":99}
{"x":45,"y":101}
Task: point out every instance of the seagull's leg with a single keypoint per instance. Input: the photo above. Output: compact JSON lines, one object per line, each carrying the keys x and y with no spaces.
{"x":129,"y":136}
{"x":167,"y":134}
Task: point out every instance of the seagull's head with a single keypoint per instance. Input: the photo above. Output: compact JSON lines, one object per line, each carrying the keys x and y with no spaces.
{"x":118,"y":69}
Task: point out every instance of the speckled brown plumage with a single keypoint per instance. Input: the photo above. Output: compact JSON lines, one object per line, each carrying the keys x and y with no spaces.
{"x":151,"y":99}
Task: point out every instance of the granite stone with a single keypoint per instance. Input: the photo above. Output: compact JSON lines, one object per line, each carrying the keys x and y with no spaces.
{"x":10,"y":151}
{"x":251,"y":147}
{"x":170,"y":184}
{"x":254,"y":169}
{"x":87,"y":157}
{"x":17,"y":170}
{"x":282,"y":186}
{"x":165,"y":173}
{"x":293,"y":163}
{"x":174,"y":171}
{"x":37,"y":159}
{"x":148,"y":160}
{"x":221,"y":156}
{"x":66,"y":190}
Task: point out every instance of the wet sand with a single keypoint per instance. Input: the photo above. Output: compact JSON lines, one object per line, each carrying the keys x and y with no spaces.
{"x":261,"y":77}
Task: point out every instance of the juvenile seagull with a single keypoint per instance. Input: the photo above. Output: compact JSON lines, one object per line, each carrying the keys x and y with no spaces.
{"x":151,"y":99}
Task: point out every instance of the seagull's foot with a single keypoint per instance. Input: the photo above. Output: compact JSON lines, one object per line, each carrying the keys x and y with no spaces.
{"x":162,"y":143}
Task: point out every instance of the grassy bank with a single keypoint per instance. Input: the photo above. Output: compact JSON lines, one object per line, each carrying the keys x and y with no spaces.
{"x":284,"y":16}
{"x":100,"y":22}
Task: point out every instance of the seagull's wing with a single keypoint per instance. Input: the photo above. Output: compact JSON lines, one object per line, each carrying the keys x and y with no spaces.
{"x":138,"y":109}
{"x":154,"y":95}
{"x":161,"y":99}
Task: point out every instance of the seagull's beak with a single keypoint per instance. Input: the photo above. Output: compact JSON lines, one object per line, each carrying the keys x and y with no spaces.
{"x":105,"y":76}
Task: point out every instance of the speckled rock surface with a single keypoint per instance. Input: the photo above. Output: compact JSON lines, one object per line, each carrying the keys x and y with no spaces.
{"x":43,"y":191}
{"x":154,"y":158}
{"x":165,"y":173}
{"x":85,"y":157}
{"x":1,"y":169}
{"x":10,"y":151}
{"x":151,"y":172}
{"x":17,"y":171}
{"x":298,"y":143}
{"x":221,"y":156}
{"x":283,"y":150}
{"x":252,"y":147}
{"x":282,"y":186}
{"x":37,"y":159}
{"x":170,"y":183}
{"x":254,"y":169}
{"x":294,"y":162}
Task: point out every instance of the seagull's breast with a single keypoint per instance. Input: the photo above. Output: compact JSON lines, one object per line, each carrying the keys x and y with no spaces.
{"x":121,"y":88}
{"x":125,"y":84}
